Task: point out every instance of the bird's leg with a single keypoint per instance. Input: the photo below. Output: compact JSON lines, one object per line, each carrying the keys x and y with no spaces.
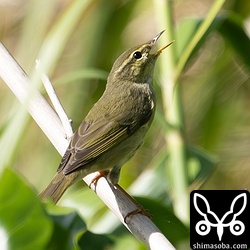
{"x":139,"y":208}
{"x":98,"y":176}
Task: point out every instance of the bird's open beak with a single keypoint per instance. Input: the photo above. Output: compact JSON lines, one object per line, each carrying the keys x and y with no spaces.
{"x":154,"y":40}
{"x":157,"y":37}
{"x":161,"y":49}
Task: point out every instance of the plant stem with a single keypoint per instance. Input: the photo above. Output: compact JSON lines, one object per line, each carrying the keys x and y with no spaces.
{"x":176,"y":165}
{"x":170,"y":72}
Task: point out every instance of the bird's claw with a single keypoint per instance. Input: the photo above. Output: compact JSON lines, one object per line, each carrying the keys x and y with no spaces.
{"x":97,"y":177}
{"x":138,"y":210}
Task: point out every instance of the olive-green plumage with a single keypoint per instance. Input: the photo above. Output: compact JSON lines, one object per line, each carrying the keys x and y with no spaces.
{"x":116,"y":125}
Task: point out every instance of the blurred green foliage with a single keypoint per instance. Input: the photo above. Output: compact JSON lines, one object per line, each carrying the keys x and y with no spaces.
{"x":77,"y":42}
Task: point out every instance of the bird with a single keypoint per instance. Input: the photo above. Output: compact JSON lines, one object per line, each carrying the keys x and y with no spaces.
{"x":115,"y":126}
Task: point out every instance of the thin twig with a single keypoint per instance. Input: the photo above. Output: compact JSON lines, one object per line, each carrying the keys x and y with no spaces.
{"x":66,"y":122}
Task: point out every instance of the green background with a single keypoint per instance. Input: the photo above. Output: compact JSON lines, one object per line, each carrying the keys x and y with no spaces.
{"x":200,"y":138}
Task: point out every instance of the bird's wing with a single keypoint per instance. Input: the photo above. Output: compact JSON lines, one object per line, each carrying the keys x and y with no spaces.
{"x":93,"y":139}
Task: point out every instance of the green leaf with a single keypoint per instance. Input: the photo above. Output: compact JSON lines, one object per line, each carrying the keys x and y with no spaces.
{"x":90,"y":241}
{"x":200,"y":165}
{"x":203,"y":29}
{"x":23,"y":221}
{"x":230,"y":26}
{"x":68,"y":227}
{"x":232,"y":29}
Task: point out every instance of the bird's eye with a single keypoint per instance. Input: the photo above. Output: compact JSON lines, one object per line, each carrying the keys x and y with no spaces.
{"x":137,"y":55}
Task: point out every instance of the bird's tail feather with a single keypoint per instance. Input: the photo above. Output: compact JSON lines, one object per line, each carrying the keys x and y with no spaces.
{"x":56,"y":188}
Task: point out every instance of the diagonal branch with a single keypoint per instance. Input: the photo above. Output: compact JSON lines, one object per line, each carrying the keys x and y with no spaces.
{"x":17,"y":80}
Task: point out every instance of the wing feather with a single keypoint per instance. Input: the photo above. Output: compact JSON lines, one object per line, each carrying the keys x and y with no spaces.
{"x":93,"y":139}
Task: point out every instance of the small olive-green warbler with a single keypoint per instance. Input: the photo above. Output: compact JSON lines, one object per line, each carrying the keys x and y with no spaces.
{"x":116,"y":125}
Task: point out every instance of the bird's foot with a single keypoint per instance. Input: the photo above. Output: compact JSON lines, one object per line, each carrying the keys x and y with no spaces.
{"x":138,"y":210}
{"x":97,"y":177}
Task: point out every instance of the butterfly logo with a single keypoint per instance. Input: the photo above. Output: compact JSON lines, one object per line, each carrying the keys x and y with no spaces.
{"x":210,"y":219}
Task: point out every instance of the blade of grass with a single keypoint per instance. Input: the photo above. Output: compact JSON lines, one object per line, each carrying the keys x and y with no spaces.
{"x":217,"y":4}
{"x":57,"y":38}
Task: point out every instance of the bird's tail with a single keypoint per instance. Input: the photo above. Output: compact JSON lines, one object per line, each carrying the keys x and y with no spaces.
{"x":56,"y":188}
